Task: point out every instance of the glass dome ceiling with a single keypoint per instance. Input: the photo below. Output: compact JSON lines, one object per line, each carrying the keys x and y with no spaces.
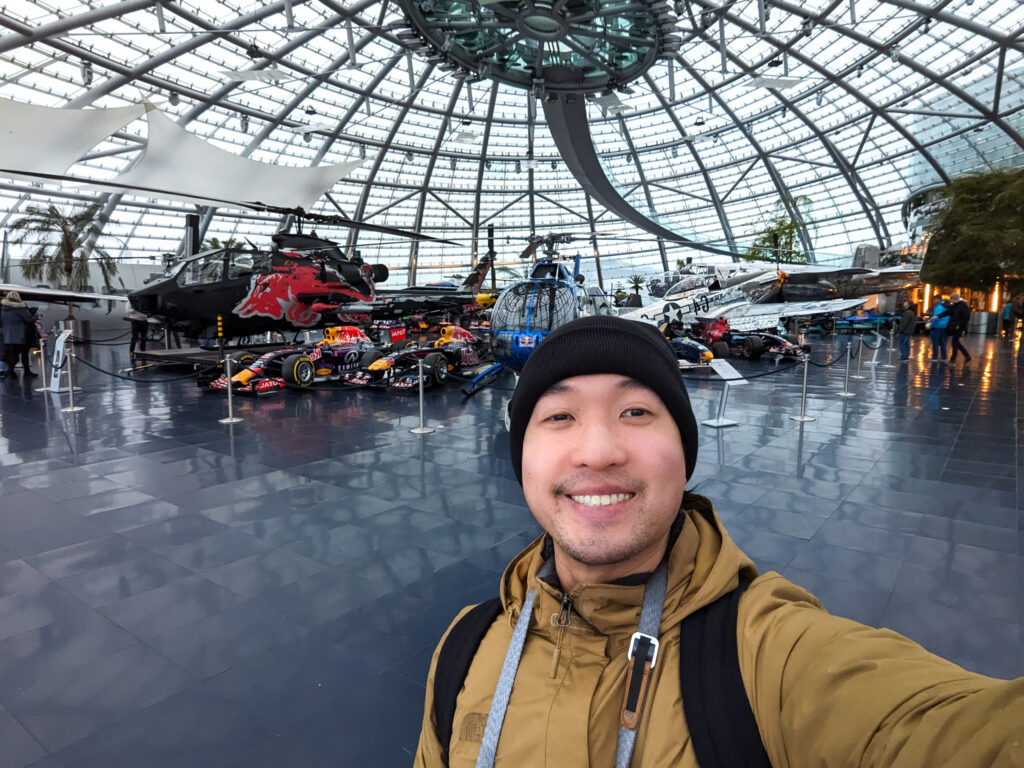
{"x":846,"y":107}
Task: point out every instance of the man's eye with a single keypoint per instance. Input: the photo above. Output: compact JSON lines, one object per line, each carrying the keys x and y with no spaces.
{"x":635,"y":412}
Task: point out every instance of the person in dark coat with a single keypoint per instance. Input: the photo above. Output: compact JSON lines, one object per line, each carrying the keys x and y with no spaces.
{"x":19,"y":327}
{"x":959,"y":317}
{"x":908,"y":322}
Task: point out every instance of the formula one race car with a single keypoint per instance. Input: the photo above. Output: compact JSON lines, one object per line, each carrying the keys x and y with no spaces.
{"x":689,"y":350}
{"x":726,"y":342}
{"x":344,"y":349}
{"x":456,"y":349}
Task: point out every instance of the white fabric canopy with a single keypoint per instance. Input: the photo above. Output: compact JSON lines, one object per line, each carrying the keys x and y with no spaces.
{"x":48,"y":140}
{"x":178,"y":163}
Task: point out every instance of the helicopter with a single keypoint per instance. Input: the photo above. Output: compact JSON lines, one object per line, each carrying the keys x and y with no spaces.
{"x":303,"y":282}
{"x":530,"y":309}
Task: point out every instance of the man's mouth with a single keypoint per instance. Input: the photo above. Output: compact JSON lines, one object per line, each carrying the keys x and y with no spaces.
{"x":601,"y":500}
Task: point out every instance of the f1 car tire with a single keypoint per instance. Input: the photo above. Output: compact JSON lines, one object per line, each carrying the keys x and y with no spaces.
{"x":242,"y":358}
{"x":752,"y":347}
{"x":298,"y":369}
{"x":437,"y":365}
{"x":720,"y":349}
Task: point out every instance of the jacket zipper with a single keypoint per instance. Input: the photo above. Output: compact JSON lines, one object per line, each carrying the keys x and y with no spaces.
{"x":564,"y":620}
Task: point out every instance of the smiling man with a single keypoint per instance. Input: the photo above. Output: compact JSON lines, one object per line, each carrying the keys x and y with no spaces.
{"x":635,"y":632}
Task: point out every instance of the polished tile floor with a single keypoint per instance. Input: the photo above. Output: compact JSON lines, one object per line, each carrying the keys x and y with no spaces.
{"x":175,"y":592}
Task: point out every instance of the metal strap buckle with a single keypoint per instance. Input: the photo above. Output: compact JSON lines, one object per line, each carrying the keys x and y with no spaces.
{"x":652,"y":652}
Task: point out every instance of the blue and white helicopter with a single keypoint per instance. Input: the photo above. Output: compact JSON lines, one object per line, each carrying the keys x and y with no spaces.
{"x":531,"y":308}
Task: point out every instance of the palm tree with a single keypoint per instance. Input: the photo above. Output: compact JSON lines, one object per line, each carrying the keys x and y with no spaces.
{"x":63,"y":246}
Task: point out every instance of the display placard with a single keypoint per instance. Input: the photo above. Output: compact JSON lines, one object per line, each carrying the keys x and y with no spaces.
{"x":59,"y":357}
{"x":727,"y":372}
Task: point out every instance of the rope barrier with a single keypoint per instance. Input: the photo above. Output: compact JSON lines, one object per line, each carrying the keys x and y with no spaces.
{"x":787,"y":369}
{"x":140,"y":381}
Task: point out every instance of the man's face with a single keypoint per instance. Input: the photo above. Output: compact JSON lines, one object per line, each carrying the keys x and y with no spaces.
{"x":604,"y":474}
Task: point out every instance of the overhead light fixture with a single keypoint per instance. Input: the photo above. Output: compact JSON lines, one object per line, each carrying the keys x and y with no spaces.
{"x":554,"y":165}
{"x":310,"y":110}
{"x":307,"y":137}
{"x":87,"y":73}
{"x":362,"y":151}
{"x":699,"y":122}
{"x":487,"y":164}
{"x":245,"y":123}
{"x":454,"y":163}
{"x":408,"y":157}
{"x":819,"y":98}
{"x":253,"y":52}
{"x":894,"y":53}
{"x":519,"y":166}
{"x":775,"y":63}
{"x":173,"y":98}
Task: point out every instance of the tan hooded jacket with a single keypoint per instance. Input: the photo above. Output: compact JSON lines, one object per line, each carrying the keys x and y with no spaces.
{"x":825,"y":691}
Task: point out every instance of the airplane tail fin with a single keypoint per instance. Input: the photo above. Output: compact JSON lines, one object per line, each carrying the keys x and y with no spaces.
{"x":475,"y":279}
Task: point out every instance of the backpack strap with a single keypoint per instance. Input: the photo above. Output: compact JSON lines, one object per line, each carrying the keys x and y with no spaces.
{"x":715,"y":703}
{"x":457,"y":652}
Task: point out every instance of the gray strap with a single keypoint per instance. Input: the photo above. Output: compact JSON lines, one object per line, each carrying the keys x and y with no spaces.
{"x":650,"y":624}
{"x":496,"y":717}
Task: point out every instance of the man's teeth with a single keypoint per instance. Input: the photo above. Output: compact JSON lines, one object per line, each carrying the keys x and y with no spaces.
{"x":603,"y":500}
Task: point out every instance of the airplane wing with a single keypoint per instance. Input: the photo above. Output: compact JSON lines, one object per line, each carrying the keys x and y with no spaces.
{"x":55,"y":296}
{"x":793,"y":308}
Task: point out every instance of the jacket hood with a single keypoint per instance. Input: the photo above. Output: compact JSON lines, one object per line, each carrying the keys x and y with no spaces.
{"x":13,"y":300}
{"x":704,"y":563}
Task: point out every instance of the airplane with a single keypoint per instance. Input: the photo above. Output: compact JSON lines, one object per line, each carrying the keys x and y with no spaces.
{"x":748,"y":300}
{"x":303,"y":282}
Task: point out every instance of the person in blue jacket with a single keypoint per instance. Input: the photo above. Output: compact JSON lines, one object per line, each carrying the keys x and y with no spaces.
{"x":937,"y":329}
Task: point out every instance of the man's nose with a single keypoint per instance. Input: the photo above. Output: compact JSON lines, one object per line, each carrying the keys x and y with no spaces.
{"x":599,"y":444}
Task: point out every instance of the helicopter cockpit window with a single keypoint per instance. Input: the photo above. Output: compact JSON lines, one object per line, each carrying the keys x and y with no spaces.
{"x":534,"y":307}
{"x":202,"y":271}
{"x":239,"y":265}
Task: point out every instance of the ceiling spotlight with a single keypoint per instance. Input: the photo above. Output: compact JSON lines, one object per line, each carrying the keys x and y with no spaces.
{"x":487,"y":164}
{"x":775,"y":63}
{"x":245,"y":123}
{"x":894,"y":53}
{"x":309,"y":111}
{"x":307,"y":137}
{"x":519,"y":166}
{"x":699,"y":122}
{"x":554,"y":165}
{"x":362,"y":151}
{"x":173,"y":98}
{"x":819,"y":98}
{"x":87,"y":73}
{"x":675,"y":152}
{"x":253,"y":52}
{"x":408,"y":157}
{"x":454,"y":163}
{"x":927,"y":24}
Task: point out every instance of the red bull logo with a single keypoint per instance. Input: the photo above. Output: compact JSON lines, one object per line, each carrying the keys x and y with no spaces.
{"x":272,"y":296}
{"x":275,"y":295}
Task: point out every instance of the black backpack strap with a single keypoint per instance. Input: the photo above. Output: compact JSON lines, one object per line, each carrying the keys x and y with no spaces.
{"x":715,"y":702}
{"x":453,"y":662}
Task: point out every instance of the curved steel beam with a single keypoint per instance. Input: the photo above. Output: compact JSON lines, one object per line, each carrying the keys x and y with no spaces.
{"x":716,"y":201}
{"x":414,"y":247}
{"x":481,"y":167}
{"x":566,"y":116}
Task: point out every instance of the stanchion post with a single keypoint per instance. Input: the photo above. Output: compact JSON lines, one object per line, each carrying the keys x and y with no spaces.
{"x":72,"y":408}
{"x":803,"y":395}
{"x":846,"y":379}
{"x":892,"y":344}
{"x":878,"y":346}
{"x":42,"y":367}
{"x":422,"y":429}
{"x":860,"y":357}
{"x":231,"y":418}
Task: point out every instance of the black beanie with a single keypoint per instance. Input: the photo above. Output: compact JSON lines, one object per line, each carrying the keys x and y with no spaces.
{"x":602,"y":344}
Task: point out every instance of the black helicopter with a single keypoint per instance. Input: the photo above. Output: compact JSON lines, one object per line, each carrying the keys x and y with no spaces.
{"x":303,"y":282}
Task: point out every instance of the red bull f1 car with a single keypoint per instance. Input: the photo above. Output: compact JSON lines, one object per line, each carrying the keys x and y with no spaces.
{"x":344,"y":349}
{"x":455,"y":350}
